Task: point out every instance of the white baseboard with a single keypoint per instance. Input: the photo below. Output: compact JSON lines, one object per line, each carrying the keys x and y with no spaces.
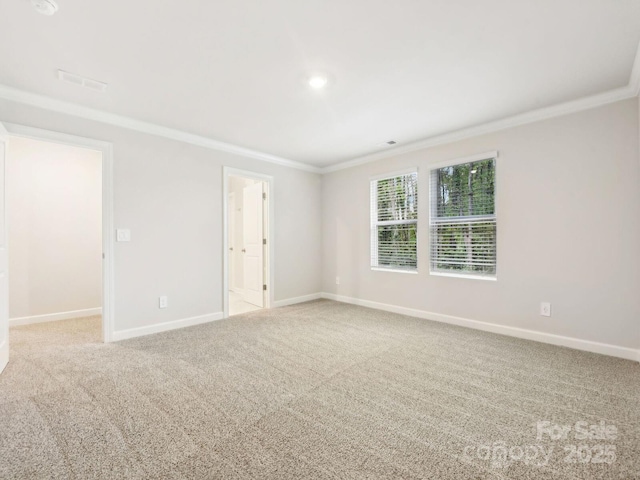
{"x":165,"y":326}
{"x":294,"y":300}
{"x":576,"y":343}
{"x":4,"y":354}
{"x":52,"y":317}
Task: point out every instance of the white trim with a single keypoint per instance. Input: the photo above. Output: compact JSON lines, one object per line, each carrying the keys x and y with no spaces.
{"x":394,"y":270}
{"x":634,"y":81}
{"x":396,"y":173}
{"x":491,"y":278}
{"x":4,"y":237}
{"x":558,"y":110}
{"x":271,"y":250}
{"x":4,"y":355}
{"x":54,"y":317}
{"x":632,"y":89}
{"x":494,"y":154}
{"x":108,"y":275}
{"x":294,"y":300}
{"x":68,"y":108}
{"x":165,"y":326}
{"x":552,"y":339}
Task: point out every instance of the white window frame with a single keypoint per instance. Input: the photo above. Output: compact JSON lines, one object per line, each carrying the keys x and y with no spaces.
{"x":432,"y":214}
{"x":373,"y":201}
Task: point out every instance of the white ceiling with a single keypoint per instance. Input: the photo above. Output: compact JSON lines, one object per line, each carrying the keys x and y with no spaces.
{"x":403,"y":70}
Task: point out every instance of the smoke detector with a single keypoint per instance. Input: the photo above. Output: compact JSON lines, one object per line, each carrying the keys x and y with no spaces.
{"x":45,"y":7}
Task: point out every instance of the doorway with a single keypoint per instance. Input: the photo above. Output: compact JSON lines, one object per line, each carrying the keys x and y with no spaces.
{"x":247,"y":238}
{"x":54,"y":225}
{"x":56,"y":254}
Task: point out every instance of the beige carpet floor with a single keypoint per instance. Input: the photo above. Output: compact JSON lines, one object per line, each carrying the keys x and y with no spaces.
{"x":313,"y":391}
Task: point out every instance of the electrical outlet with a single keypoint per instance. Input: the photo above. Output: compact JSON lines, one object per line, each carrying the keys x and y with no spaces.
{"x":163,"y":302}
{"x":337,"y":280}
{"x":545,"y":309}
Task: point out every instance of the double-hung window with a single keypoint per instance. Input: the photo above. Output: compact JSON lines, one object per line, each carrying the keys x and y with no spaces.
{"x":463,"y":218}
{"x":394,"y":221}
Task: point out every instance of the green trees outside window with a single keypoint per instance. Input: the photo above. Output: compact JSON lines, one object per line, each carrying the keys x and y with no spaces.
{"x":394,"y":220}
{"x":463,"y":218}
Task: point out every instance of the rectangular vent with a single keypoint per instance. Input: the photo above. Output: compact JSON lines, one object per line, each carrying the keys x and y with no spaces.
{"x":81,"y":81}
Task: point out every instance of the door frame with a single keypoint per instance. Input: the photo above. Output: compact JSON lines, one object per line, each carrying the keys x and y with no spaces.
{"x":106,"y":149}
{"x":270,"y":233}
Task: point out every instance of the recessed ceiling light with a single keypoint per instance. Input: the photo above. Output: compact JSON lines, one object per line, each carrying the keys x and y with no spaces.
{"x":45,"y":7}
{"x":318,"y":81}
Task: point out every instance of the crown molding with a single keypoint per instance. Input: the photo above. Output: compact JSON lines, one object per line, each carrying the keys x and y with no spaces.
{"x":574,"y":106}
{"x":60,"y":106}
{"x":490,"y":127}
{"x":41,"y":101}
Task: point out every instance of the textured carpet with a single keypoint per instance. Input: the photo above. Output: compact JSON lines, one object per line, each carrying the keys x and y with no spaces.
{"x":317,"y":390}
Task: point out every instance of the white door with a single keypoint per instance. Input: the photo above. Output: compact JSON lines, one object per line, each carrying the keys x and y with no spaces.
{"x":4,"y":284}
{"x":253,"y":233}
{"x":231,"y":240}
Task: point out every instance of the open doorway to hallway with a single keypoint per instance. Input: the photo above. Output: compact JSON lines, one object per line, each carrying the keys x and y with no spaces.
{"x":55,"y":241}
{"x":247,"y":229}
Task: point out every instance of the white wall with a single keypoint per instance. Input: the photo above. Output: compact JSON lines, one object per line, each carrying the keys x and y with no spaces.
{"x":170,"y":195}
{"x":568,"y":226}
{"x":54,"y":198}
{"x":568,"y":197}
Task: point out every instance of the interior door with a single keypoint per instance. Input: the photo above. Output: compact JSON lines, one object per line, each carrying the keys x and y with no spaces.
{"x":253,"y":235}
{"x":231,"y":241}
{"x":4,"y":261}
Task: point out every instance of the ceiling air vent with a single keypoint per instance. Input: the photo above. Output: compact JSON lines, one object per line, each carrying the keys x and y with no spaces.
{"x":80,"y":81}
{"x":45,"y":7}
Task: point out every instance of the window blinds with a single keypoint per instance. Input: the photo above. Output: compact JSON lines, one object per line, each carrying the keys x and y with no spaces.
{"x":394,"y":219}
{"x":463,"y":218}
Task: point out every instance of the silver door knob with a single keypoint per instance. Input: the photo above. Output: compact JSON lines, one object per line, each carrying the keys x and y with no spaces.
{"x":231,"y":249}
{"x":244,"y":251}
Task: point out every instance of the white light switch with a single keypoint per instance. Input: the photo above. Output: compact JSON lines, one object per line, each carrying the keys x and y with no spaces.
{"x":123,"y":235}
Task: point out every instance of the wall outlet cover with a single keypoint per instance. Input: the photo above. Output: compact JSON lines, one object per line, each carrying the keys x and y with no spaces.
{"x":545,"y":309}
{"x":163,"y":302}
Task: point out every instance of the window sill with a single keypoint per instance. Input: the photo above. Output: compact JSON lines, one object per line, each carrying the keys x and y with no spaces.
{"x":394,"y":270}
{"x":464,"y":275}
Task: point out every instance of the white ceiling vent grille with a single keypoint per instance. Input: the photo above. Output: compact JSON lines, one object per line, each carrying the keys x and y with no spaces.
{"x":80,"y":81}
{"x":45,"y":7}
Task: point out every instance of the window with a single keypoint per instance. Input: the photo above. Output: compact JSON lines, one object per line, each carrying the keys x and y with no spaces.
{"x":463,"y":218}
{"x":394,"y":221}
